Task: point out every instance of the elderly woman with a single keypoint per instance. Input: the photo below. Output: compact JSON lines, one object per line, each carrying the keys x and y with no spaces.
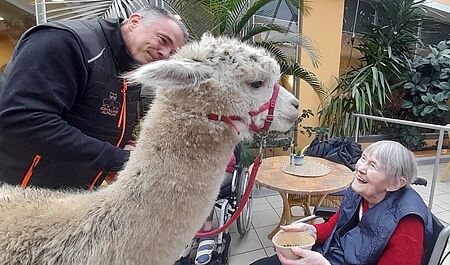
{"x":381,"y":220}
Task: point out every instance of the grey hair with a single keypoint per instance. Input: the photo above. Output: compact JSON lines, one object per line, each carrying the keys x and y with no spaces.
{"x":151,"y":14}
{"x":395,"y":160}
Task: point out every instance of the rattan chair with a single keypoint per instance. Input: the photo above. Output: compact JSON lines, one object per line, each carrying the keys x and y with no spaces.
{"x":308,"y":201}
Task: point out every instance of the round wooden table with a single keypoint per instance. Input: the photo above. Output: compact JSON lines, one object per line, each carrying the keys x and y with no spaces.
{"x":290,"y":187}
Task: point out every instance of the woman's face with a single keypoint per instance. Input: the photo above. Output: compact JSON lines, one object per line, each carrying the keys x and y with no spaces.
{"x":370,"y":180}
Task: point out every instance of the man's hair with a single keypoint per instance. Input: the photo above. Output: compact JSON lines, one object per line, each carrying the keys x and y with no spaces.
{"x":151,"y":14}
{"x":395,"y":160}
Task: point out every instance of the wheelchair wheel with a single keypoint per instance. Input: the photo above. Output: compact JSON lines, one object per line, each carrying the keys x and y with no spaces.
{"x":244,"y":220}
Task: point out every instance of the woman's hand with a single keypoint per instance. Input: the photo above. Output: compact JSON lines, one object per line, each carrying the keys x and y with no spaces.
{"x":300,"y":227}
{"x":307,"y":257}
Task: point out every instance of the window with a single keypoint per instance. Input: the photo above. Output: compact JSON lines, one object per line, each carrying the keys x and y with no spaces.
{"x":434,"y":32}
{"x":366,"y":14}
{"x":280,"y":9}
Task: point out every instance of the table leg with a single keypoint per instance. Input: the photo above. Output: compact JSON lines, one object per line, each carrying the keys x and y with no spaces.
{"x":308,"y":204}
{"x":322,"y":197}
{"x":285,"y":216}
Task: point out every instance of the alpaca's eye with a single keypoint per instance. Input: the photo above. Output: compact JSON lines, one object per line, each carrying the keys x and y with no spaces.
{"x":256,"y":84}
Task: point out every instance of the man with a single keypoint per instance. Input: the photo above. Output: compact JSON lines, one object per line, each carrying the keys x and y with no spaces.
{"x":65,"y":113}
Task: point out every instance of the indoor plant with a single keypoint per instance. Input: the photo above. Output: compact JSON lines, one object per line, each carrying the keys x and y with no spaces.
{"x":298,"y":157}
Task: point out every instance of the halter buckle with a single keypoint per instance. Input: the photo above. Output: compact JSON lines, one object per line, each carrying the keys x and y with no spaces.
{"x":269,"y":118}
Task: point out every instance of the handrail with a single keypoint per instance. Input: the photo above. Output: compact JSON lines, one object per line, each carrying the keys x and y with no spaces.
{"x":403,"y":122}
{"x":440,"y":128}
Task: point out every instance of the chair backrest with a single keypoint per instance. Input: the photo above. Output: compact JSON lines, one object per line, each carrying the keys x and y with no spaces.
{"x":341,"y":150}
{"x":431,"y":246}
{"x":434,"y":248}
{"x":420,"y":181}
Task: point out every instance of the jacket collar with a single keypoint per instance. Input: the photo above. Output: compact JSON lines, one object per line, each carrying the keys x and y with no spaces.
{"x":113,"y":34}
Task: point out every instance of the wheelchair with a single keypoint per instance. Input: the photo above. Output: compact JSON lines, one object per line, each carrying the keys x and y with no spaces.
{"x":437,"y":244}
{"x":228,"y":201}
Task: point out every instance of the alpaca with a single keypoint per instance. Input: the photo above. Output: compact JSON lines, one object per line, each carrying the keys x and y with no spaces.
{"x":170,"y":183}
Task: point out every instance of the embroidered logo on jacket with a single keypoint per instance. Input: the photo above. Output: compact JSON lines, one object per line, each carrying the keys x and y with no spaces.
{"x":110,"y":106}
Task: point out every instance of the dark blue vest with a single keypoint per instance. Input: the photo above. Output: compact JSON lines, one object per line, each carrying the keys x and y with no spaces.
{"x":362,"y":242}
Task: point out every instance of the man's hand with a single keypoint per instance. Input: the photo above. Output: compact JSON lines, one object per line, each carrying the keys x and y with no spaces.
{"x":112,"y":176}
{"x":307,"y":257}
{"x":130,"y":146}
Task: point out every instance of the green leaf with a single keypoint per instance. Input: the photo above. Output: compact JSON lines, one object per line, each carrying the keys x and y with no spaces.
{"x":440,"y":97}
{"x":421,"y":88}
{"x":257,"y":29}
{"x":444,"y":76}
{"x":415,"y":110}
{"x":442,"y":46}
{"x":443,"y":106}
{"x":258,"y":4}
{"x":426,"y":99}
{"x":416,"y":78}
{"x":444,"y":85}
{"x":301,"y":40}
{"x":279,"y":54}
{"x":427,"y":110}
{"x":409,"y":86}
{"x":434,"y":51}
{"x":369,"y":94}
{"x":300,"y":72}
{"x":407,"y":104}
{"x":435,"y":64}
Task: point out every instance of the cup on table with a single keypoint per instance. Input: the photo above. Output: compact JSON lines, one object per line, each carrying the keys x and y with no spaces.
{"x":285,"y":241}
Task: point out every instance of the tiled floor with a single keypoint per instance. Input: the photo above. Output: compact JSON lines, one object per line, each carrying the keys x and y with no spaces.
{"x":267,"y":207}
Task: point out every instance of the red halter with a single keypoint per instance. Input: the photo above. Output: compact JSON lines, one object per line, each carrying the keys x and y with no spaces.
{"x":269,"y":105}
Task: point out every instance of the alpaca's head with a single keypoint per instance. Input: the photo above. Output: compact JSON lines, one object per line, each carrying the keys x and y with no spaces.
{"x":223,"y":76}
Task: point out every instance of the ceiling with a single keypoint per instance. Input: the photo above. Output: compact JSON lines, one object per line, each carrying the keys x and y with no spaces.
{"x":436,"y":9}
{"x":49,"y":10}
{"x":28,"y":6}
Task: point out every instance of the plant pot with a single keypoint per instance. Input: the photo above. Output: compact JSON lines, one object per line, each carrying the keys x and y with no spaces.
{"x":298,"y":160}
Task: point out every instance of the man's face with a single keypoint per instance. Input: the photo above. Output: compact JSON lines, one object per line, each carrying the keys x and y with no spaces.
{"x":155,"y":41}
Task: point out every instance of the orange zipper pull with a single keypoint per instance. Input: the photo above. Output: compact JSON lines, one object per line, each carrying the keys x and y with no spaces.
{"x":27,"y":176}
{"x":123,"y":112}
{"x":122,"y":118}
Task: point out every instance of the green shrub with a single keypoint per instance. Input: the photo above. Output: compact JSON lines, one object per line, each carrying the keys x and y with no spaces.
{"x":428,"y":87}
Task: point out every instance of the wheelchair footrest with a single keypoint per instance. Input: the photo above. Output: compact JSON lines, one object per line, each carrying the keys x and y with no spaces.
{"x":217,"y":258}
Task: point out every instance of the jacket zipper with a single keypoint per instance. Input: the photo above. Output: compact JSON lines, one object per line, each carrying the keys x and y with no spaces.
{"x":122,"y":122}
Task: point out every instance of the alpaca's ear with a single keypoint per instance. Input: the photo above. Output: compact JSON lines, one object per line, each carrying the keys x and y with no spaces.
{"x":170,"y":73}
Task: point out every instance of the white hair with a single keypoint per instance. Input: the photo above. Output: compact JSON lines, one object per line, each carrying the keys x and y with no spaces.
{"x":396,"y":161}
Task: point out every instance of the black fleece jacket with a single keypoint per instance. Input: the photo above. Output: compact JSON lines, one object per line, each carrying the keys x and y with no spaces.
{"x":60,"y":101}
